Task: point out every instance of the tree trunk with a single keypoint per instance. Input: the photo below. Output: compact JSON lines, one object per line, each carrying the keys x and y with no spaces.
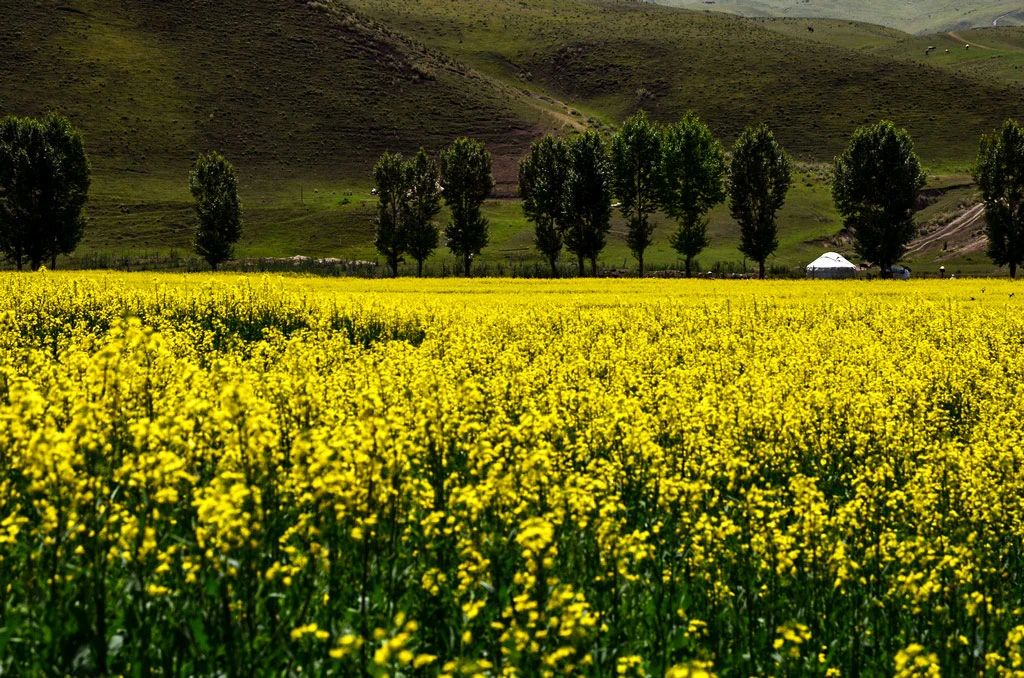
{"x":419,"y":268}
{"x":579,"y":261}
{"x":18,"y":261}
{"x":53,"y":261}
{"x":689,"y":265}
{"x":640,"y":260}
{"x":554,"y":266}
{"x":1013,"y":269}
{"x":593,"y":266}
{"x":467,"y":262}
{"x":760,"y":270}
{"x":393,"y":265}
{"x":213,"y":265}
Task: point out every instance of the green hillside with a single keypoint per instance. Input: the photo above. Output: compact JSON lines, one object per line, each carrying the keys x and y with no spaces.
{"x":303,"y":96}
{"x":912,"y":16}
{"x":612,"y":58}
{"x":988,"y":55}
{"x":286,"y":89}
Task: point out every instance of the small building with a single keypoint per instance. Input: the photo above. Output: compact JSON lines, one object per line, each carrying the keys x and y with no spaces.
{"x":831,"y":266}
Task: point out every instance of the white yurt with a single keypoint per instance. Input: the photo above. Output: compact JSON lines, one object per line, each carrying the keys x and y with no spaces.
{"x":831,"y":266}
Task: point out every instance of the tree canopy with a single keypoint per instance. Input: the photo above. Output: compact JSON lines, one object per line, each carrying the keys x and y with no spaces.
{"x":636,"y":165}
{"x":214,"y":188}
{"x":877,"y":182}
{"x":1000,"y":176}
{"x":466,"y":181}
{"x":693,"y":173}
{"x":44,"y":186}
{"x":759,"y":180}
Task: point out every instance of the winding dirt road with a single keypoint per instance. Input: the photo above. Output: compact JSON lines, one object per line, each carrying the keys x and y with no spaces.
{"x":966,"y":221}
{"x":995,"y":22}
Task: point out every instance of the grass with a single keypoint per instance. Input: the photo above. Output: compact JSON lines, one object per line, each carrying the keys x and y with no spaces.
{"x":325,"y":220}
{"x":996,"y":54}
{"x":610,"y":59}
{"x":914,"y":17}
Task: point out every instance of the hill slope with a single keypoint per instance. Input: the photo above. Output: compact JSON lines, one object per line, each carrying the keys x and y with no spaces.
{"x":612,"y":58}
{"x":304,"y":95}
{"x":913,"y":16}
{"x":285,"y":87}
{"x":988,"y":55}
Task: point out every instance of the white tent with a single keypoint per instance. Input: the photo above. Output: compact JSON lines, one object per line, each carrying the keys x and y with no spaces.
{"x":831,"y":266}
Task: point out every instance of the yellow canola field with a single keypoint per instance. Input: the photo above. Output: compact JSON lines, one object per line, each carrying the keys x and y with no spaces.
{"x":228,"y":475}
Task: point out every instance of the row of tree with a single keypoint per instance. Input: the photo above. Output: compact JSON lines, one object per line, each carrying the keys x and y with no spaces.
{"x":567,"y":187}
{"x":409,"y":194}
{"x":44,"y":187}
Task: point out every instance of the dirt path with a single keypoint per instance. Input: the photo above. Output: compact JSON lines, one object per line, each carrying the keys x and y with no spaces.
{"x":964,"y":222}
{"x":959,"y":38}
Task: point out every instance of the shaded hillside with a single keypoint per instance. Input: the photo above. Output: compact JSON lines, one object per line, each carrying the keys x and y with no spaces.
{"x":284,"y":87}
{"x":612,"y":58}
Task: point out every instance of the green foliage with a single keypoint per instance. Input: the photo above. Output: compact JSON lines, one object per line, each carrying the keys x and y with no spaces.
{"x":759,"y":180}
{"x":692,"y":182}
{"x":636,"y":161}
{"x":877,"y":182}
{"x":423,"y":203}
{"x":466,"y":180}
{"x":44,"y":185}
{"x":390,"y":176}
{"x":214,"y":189}
{"x":588,"y":198}
{"x":542,"y":182}
{"x":1000,"y":175}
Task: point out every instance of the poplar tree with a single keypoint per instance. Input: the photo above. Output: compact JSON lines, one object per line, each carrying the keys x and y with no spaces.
{"x":759,"y":180}
{"x":389,"y":174}
{"x":423,"y":202}
{"x":1000,"y":176}
{"x":214,"y":188}
{"x":877,"y":182}
{"x":588,"y":199}
{"x":636,"y":164}
{"x":466,"y":181}
{"x":692,"y":182}
{"x":542,"y":182}
{"x":44,"y":186}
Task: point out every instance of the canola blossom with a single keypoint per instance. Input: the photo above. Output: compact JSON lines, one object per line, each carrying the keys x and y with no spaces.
{"x":228,"y":475}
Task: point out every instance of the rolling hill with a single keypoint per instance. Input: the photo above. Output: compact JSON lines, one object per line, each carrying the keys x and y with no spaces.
{"x":912,"y":16}
{"x":304,"y":95}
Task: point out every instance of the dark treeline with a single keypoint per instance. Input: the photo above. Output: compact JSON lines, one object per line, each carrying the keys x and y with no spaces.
{"x":569,"y":187}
